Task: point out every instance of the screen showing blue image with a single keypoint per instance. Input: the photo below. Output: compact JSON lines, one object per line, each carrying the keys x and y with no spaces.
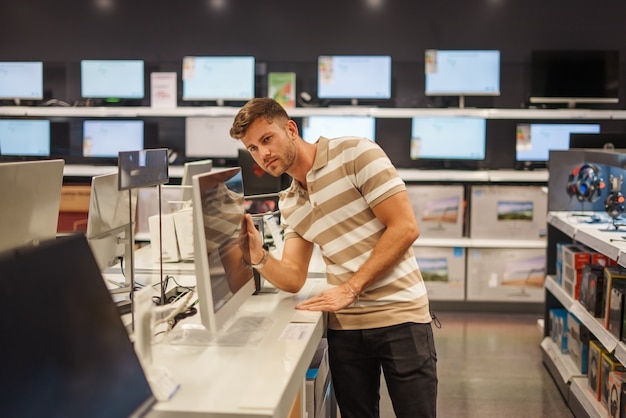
{"x":448,"y":138}
{"x":455,"y":73}
{"x":112,"y":79}
{"x":21,"y":80}
{"x":22,"y":137}
{"x":354,"y":77}
{"x":535,"y":141}
{"x":106,"y":138}
{"x":218,"y":78}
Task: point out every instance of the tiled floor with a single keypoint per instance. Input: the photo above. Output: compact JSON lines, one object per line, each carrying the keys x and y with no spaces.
{"x":489,"y":366}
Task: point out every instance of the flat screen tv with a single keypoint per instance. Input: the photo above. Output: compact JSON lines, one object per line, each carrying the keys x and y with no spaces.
{"x":21,"y":80}
{"x":354,"y":77}
{"x":535,"y":141}
{"x":448,"y":138}
{"x":462,"y":73}
{"x":572,"y":76}
{"x":25,"y":137}
{"x":606,"y":140}
{"x":106,"y":138}
{"x":209,"y":137}
{"x":335,"y":126}
{"x":218,"y":78}
{"x":112,"y":79}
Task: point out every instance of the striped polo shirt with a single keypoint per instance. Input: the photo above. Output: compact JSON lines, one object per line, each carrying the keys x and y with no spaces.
{"x":349,"y":177}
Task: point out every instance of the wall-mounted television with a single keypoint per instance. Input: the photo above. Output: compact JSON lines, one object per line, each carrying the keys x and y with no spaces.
{"x":354,"y":77}
{"x":25,"y":137}
{"x":112,"y":79}
{"x":462,"y":73}
{"x":571,"y":76}
{"x":218,"y":78}
{"x":335,"y":126}
{"x":106,"y":138}
{"x":448,"y":138}
{"x":21,"y":80}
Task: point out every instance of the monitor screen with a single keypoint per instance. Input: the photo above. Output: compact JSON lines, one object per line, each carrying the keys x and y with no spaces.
{"x":31,"y":196}
{"x":335,"y":126}
{"x":25,"y":137}
{"x":112,"y":79}
{"x":218,"y":78}
{"x":70,"y":352}
{"x":534,"y":141}
{"x":106,"y":138}
{"x":574,"y":77}
{"x":458,"y":73}
{"x":354,"y":77}
{"x":190,"y":169}
{"x":21,"y":80}
{"x":607,"y":140}
{"x":209,"y":137}
{"x":448,"y":138}
{"x":223,"y":282}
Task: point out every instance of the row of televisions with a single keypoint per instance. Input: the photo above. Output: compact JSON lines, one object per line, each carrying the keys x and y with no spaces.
{"x":431,"y":138}
{"x":590,"y":76}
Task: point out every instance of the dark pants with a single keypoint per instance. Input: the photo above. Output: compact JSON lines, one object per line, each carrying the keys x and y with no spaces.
{"x":406,"y":353}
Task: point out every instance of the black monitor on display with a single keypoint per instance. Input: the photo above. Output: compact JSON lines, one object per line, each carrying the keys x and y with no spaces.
{"x":453,"y":140}
{"x":29,"y":138}
{"x":218,"y":78}
{"x":113,"y":81}
{"x":21,"y":80}
{"x":571,"y":76}
{"x":258,"y":182}
{"x":354,"y":77}
{"x":335,"y":126}
{"x":70,"y":354}
{"x":462,"y":73}
{"x":605,"y":140}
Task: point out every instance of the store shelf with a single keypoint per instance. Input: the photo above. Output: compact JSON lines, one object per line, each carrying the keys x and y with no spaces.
{"x":479,"y":243}
{"x":582,"y":402}
{"x":558,"y":292}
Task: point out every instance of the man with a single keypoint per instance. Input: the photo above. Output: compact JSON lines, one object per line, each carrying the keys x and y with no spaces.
{"x":347,"y":197}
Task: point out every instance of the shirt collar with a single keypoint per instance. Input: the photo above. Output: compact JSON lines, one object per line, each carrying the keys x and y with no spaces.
{"x":321,"y":155}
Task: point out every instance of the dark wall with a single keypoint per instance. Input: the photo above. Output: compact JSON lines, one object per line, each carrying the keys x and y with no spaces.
{"x":288,"y":35}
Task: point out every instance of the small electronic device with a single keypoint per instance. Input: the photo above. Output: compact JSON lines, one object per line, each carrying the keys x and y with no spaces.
{"x":218,"y":78}
{"x":21,"y":80}
{"x":335,"y":126}
{"x":25,"y":137}
{"x":112,"y":80}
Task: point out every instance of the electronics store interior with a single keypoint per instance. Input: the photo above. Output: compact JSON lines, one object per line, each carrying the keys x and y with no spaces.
{"x":506,"y":122}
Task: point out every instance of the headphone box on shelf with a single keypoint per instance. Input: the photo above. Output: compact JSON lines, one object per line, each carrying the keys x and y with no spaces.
{"x":443,"y":270}
{"x":506,"y":274}
{"x":594,"y":369}
{"x":615,"y":309}
{"x":439,"y":209}
{"x":508,"y":212}
{"x":608,"y":364}
{"x":558,"y":328}
{"x":578,"y":336}
{"x":612,"y":275}
{"x":592,"y":289}
{"x":616,"y":386}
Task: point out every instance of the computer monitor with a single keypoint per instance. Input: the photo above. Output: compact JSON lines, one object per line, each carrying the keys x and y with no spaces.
{"x":25,"y":137}
{"x":535,"y":141}
{"x":190,"y":169}
{"x":213,"y":78}
{"x":109,"y":219}
{"x":70,"y":354}
{"x":223,"y":282}
{"x":462,"y":73}
{"x":31,"y":197}
{"x":448,"y":138}
{"x":112,"y":79}
{"x":354,"y":77}
{"x":106,"y":138}
{"x":606,"y":140}
{"x":209,"y":137}
{"x":574,"y":76}
{"x":335,"y":126}
{"x":21,"y":80}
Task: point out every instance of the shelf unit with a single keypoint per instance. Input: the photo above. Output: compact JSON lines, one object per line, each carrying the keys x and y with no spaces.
{"x":568,"y":222}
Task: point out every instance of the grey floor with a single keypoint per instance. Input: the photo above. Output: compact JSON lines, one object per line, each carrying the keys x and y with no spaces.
{"x":489,"y":365}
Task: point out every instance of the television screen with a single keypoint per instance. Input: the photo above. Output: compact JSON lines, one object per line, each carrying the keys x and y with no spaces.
{"x":106,"y":138}
{"x":218,"y":78}
{"x":458,"y":73}
{"x":354,"y":77}
{"x":574,"y":77}
{"x":25,"y":137}
{"x":448,"y":138}
{"x":112,"y":79}
{"x":209,"y":136}
{"x":335,"y":126}
{"x":21,"y":80}
{"x":534,"y":141}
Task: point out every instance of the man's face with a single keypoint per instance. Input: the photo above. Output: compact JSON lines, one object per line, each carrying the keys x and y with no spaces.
{"x":272,"y":145}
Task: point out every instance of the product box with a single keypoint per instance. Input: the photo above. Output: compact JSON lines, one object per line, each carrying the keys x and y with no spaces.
{"x":508,"y":212}
{"x":558,"y":328}
{"x":594,"y":369}
{"x":443,"y":270}
{"x":592,"y":289}
{"x":608,"y":364}
{"x":616,"y":385}
{"x":506,"y":274}
{"x":318,"y":382}
{"x":616,"y":309}
{"x":439,"y":210}
{"x":578,"y":336}
{"x":612,"y":274}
